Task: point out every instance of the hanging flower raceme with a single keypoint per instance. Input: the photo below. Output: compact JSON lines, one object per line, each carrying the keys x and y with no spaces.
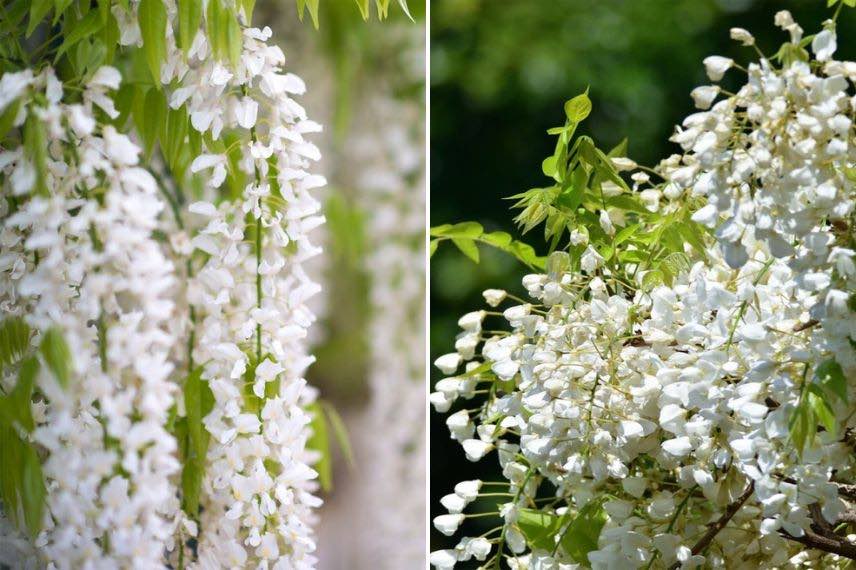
{"x":80,"y":215}
{"x":392,"y":186}
{"x":250,"y":304}
{"x":671,"y":414}
{"x":215,"y":362}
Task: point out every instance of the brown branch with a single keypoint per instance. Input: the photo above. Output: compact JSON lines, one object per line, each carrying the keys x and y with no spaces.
{"x":846,"y":517}
{"x":806,"y":325}
{"x":846,"y":490}
{"x":832,"y":544}
{"x":714,"y":529}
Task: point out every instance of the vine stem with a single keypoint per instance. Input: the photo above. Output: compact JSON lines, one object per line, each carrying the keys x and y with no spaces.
{"x":714,"y":529}
{"x":501,"y":543}
{"x":672,"y":522}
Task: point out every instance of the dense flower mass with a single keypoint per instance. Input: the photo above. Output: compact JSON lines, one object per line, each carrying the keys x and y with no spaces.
{"x":704,"y":419}
{"x":82,"y":258}
{"x":174,"y":407}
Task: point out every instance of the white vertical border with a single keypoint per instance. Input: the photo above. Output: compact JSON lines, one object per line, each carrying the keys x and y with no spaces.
{"x":427,"y":280}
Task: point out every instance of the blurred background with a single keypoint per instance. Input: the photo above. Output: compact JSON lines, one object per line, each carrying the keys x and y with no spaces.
{"x":500,"y":73}
{"x":366,"y":84}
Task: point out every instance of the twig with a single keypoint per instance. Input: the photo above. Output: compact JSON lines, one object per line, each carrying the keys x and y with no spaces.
{"x":806,"y":325}
{"x":831,"y":544}
{"x":714,"y":529}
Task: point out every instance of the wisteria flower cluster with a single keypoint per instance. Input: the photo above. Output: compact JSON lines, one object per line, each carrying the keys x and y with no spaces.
{"x":392,"y":187}
{"x":157,"y":303}
{"x":667,"y":397}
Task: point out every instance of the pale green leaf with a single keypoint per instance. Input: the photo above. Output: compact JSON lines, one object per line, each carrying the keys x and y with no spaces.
{"x":38,"y":10}
{"x":57,"y":355}
{"x":14,"y":340}
{"x":467,"y":247}
{"x":189,"y":20}
{"x":152,"y":18}
{"x":539,"y":528}
{"x":88,"y":26}
{"x":581,"y":535}
{"x":320,"y":442}
{"x":578,"y":108}
{"x":340,"y":431}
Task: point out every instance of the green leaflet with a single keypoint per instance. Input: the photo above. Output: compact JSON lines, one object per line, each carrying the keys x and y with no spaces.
{"x":57,"y":355}
{"x":581,"y":536}
{"x":14,"y":340}
{"x":152,"y":17}
{"x":829,"y":375}
{"x":152,"y":120}
{"x":224,"y":32}
{"x":578,"y":108}
{"x":340,"y":431}
{"x":323,"y":412}
{"x":578,"y":538}
{"x":320,"y":442}
{"x":7,"y":119}
{"x":814,"y":407}
{"x":540,"y":528}
{"x":467,"y":247}
{"x":36,"y":151}
{"x":363,"y":6}
{"x":194,"y":438}
{"x":88,"y":26}
{"x":189,"y":20}
{"x":465,"y":235}
{"x":38,"y":10}
{"x":16,"y":408}
{"x":22,"y":487}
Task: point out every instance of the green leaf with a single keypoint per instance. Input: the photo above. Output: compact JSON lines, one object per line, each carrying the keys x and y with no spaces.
{"x":152,"y":18}
{"x":652,"y":279}
{"x":340,"y":431}
{"x":692,"y":233}
{"x":153,"y":119}
{"x":821,"y":408}
{"x":578,"y":108}
{"x":38,"y":10}
{"x":88,"y":26}
{"x":467,"y":247}
{"x":312,"y":5}
{"x":580,"y":537}
{"x":36,"y":150}
{"x":248,"y":7}
{"x":7,"y":119}
{"x":22,"y":486}
{"x":539,"y":528}
{"x":463,"y":230}
{"x":14,"y":340}
{"x":802,"y":425}
{"x":173,"y":141}
{"x":11,"y":452}
{"x":189,"y":20}
{"x":382,"y":8}
{"x":548,"y":166}
{"x":625,"y":234}
{"x":233,"y":37}
{"x":363,"y":6}
{"x":432,"y":247}
{"x":619,"y":150}
{"x":33,"y":490}
{"x":198,"y":403}
{"x":320,"y":442}
{"x":830,"y":376}
{"x":57,"y":355}
{"x":21,"y":396}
